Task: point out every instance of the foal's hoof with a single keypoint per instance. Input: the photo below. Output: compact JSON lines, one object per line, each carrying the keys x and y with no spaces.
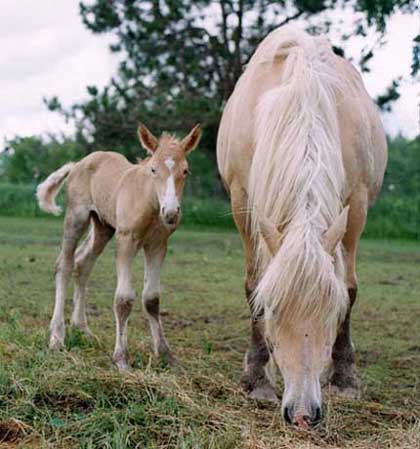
{"x":121,"y":360}
{"x":265,"y":393}
{"x":86,"y":332}
{"x":56,"y":343}
{"x":351,"y":392}
{"x":170,"y":359}
{"x":122,"y":365}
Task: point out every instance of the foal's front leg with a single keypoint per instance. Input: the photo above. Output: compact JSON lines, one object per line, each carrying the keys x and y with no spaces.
{"x":127,"y":248}
{"x":154,"y":257}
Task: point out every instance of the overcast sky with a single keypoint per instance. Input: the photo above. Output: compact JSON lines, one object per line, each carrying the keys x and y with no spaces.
{"x":46,"y":51}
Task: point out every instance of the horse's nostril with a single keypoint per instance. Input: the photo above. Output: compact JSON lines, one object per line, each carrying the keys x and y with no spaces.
{"x":302,"y":421}
{"x":287,"y":415}
{"x":317,"y":416}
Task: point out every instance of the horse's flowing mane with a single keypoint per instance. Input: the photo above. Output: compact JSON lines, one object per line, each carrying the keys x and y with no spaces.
{"x":296,"y":181}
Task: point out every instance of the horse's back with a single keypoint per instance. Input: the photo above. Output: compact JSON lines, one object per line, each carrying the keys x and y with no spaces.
{"x":94,"y":182}
{"x":363,"y":142}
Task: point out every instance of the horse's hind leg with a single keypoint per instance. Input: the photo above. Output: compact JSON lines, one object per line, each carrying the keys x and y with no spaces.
{"x":75,"y":224}
{"x":154,"y":257}
{"x":343,"y":379}
{"x":85,"y":258}
{"x":254,"y":380}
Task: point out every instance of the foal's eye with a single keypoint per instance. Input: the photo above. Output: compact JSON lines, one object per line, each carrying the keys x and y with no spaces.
{"x":186,"y":172}
{"x":154,"y":170}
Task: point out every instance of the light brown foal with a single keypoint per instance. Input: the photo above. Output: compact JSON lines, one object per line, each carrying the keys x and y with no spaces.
{"x":141,"y":204}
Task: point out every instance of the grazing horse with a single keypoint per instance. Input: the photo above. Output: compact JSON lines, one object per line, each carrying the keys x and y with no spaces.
{"x":141,"y":204}
{"x":302,"y":153}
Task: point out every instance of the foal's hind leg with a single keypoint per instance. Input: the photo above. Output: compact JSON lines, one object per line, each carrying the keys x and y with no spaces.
{"x":154,"y":257}
{"x":85,"y":258}
{"x":75,"y":224}
{"x":343,"y":379}
{"x":254,"y":380}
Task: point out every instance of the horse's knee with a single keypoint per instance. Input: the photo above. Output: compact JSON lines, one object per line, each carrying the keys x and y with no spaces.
{"x":352,"y":291}
{"x":77,"y":269}
{"x":151,"y":305}
{"x":123,"y":307}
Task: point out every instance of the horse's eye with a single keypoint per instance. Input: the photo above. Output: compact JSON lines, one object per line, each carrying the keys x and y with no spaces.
{"x":154,"y":170}
{"x":186,"y":172}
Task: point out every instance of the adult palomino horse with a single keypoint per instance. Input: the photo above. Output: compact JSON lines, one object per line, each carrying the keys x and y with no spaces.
{"x":141,"y":203}
{"x":302,"y":153}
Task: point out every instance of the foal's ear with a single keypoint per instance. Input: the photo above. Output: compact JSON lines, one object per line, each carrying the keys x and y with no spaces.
{"x":189,"y":142}
{"x":147,"y":139}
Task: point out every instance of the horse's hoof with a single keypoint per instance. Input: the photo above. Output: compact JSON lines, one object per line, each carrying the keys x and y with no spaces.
{"x":56,"y":343}
{"x":264,"y":393}
{"x":170,"y":359}
{"x":350,"y":392}
{"x":88,"y":333}
{"x":121,"y":360}
{"x":122,"y":366}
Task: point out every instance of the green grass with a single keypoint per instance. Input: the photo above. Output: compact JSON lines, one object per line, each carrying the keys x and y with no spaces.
{"x":78,"y":399}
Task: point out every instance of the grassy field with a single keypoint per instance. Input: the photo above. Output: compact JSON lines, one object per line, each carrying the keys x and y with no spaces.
{"x":78,"y":399}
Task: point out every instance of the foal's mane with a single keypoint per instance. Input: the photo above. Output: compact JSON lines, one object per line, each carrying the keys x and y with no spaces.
{"x":165,"y":140}
{"x":296,"y":181}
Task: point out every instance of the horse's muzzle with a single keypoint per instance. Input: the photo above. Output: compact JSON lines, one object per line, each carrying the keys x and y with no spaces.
{"x":302,"y":420}
{"x":170,"y":217}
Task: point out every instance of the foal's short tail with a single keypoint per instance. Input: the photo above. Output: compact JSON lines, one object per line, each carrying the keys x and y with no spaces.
{"x":48,"y":190}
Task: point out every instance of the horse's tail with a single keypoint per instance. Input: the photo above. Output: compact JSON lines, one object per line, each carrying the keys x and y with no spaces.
{"x":297,"y":180}
{"x":48,"y":190}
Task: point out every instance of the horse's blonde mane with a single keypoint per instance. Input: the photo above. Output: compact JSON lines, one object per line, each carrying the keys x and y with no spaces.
{"x":296,"y":180}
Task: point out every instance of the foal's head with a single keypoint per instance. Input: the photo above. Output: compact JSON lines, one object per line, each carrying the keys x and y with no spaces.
{"x":169,"y":168}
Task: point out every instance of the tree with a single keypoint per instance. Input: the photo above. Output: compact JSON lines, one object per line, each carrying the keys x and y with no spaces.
{"x":180,"y":59}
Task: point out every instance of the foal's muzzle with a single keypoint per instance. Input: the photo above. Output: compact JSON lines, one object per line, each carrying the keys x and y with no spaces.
{"x":170,"y":217}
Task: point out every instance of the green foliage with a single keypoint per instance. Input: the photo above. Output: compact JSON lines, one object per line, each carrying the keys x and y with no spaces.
{"x":30,"y":159}
{"x":395,"y":215}
{"x":180,"y":60}
{"x":18,"y":200}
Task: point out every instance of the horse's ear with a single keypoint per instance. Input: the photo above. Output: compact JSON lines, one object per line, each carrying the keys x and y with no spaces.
{"x":147,"y":139}
{"x":336,"y":232}
{"x":189,"y":142}
{"x":270,"y":234}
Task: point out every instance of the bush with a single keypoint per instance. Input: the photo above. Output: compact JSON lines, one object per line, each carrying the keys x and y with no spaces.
{"x":391,"y":217}
{"x":18,"y":200}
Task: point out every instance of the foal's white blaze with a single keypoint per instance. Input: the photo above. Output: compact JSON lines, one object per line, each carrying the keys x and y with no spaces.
{"x":170,"y":201}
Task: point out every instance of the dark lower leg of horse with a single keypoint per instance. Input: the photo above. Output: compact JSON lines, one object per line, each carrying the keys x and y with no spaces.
{"x":254,"y":380}
{"x":343,"y":379}
{"x":160,"y":345}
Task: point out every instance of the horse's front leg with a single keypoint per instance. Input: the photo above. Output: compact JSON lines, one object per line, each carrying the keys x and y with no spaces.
{"x":344,"y":380}
{"x":257,"y":379}
{"x":127,"y":248}
{"x":154,"y":257}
